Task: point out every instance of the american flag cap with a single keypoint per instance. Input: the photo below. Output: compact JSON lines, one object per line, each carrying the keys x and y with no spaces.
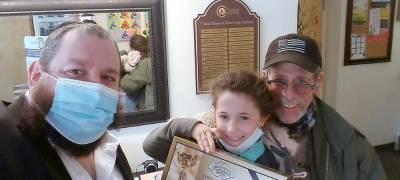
{"x":293,"y":48}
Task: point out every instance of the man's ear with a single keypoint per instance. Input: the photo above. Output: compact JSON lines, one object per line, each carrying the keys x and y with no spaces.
{"x":34,"y":73}
{"x":319,"y":83}
{"x":264,"y":73}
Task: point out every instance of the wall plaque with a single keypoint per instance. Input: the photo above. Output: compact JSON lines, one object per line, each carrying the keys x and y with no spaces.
{"x":186,"y":161}
{"x":226,"y":39}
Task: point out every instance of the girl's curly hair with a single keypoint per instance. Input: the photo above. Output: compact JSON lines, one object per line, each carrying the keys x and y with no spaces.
{"x":246,"y":83}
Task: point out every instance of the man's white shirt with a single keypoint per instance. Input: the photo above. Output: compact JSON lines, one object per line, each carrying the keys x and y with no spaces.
{"x":105,"y":158}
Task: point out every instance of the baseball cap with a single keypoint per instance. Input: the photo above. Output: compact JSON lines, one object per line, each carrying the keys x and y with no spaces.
{"x":294,"y":48}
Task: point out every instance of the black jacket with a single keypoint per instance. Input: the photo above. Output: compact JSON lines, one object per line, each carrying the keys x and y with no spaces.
{"x":25,"y":155}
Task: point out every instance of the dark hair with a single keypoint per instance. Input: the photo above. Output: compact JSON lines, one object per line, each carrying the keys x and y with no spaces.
{"x":89,"y":21}
{"x":141,"y":44}
{"x":247,"y":83}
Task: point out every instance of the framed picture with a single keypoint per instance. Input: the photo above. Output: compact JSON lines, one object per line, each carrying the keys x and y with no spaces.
{"x":122,"y":25}
{"x":186,"y":161}
{"x":44,"y":24}
{"x":369,"y":29}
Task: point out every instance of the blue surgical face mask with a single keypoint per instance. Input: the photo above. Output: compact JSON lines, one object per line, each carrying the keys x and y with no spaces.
{"x":250,"y":141}
{"x":82,"y":111}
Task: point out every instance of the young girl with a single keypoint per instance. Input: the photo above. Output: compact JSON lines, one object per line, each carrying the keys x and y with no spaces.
{"x":242,"y":104}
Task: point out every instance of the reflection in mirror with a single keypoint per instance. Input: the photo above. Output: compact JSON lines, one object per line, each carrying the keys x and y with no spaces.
{"x":138,"y":33}
{"x":137,"y":76}
{"x":130,"y":31}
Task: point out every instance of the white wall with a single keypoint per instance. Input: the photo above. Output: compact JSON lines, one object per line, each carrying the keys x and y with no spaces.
{"x":277,"y":18}
{"x":131,"y":143}
{"x":180,"y":43}
{"x":368,"y":95}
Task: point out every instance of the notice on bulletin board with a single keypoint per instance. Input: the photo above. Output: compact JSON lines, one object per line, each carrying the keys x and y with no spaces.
{"x":226,"y":39}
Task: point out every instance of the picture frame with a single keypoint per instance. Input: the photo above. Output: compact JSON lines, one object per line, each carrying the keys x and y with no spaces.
{"x":43,"y":25}
{"x":398,"y":9}
{"x":186,"y":161}
{"x":157,"y":41}
{"x":369,"y":29}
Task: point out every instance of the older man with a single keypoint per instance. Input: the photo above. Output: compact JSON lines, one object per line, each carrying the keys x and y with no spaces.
{"x":308,"y":137}
{"x":58,"y":130}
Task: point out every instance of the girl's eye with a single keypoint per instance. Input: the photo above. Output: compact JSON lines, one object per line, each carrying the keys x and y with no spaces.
{"x":223,"y":116}
{"x":244,"y":118}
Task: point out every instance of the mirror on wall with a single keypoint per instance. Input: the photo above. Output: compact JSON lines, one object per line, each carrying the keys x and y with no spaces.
{"x":136,"y":27}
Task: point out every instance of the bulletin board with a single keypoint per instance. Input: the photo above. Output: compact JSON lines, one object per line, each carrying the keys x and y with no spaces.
{"x":369,"y":29}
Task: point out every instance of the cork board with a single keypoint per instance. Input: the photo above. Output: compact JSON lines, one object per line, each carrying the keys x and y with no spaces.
{"x":369,"y":28}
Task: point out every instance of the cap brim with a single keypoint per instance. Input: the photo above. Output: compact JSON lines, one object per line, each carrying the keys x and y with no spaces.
{"x":292,"y":57}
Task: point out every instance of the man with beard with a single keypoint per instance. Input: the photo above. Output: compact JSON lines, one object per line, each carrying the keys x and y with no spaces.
{"x":308,"y":137}
{"x":58,"y":129}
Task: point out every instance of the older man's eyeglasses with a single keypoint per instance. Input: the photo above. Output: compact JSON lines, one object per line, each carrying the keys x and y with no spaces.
{"x":299,"y":87}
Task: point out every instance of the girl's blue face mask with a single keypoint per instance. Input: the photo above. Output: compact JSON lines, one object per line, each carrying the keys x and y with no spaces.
{"x":82,"y":111}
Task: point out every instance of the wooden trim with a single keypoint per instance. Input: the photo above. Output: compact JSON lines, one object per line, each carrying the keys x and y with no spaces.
{"x":384,"y":146}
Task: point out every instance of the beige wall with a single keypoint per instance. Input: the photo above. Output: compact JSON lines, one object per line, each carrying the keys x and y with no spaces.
{"x":12,"y":56}
{"x":368,"y":95}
